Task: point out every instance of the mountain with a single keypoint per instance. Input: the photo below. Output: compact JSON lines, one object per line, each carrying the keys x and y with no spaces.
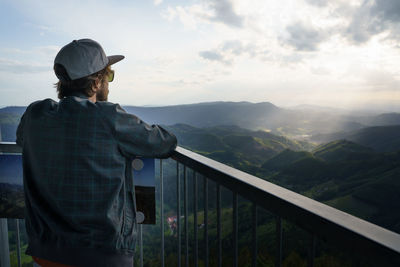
{"x":210,"y":114}
{"x":234,"y":145}
{"x":381,"y":138}
{"x":284,"y":159}
{"x":345,"y":175}
{"x":248,"y":115}
{"x":342,"y":150}
{"x":384,"y":119}
{"x":299,"y":123}
{"x":12,"y":203}
{"x":13,"y":110}
{"x":9,"y":119}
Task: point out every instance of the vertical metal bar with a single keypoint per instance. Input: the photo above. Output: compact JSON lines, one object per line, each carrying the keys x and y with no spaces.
{"x":18,"y":243}
{"x":196,"y":256}
{"x":311,"y":254}
{"x":178,"y":212}
{"x":279,"y":242}
{"x":162,"y":213}
{"x":254,"y":245}
{"x":185,"y":204}
{"x":4,"y":247}
{"x":141,"y":243}
{"x":206,"y":220}
{"x":219,"y":225}
{"x":235,"y":229}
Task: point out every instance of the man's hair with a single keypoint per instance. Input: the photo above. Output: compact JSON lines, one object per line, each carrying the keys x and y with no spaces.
{"x":66,"y":86}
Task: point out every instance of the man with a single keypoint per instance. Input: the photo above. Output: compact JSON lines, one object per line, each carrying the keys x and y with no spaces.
{"x":77,"y":155}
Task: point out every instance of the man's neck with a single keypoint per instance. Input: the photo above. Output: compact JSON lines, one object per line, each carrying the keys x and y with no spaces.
{"x":93,"y":98}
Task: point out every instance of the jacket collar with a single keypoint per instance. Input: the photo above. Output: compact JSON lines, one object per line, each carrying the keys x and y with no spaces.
{"x":79,"y":94}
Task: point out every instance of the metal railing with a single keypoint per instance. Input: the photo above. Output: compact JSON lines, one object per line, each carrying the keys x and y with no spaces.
{"x":358,"y":238}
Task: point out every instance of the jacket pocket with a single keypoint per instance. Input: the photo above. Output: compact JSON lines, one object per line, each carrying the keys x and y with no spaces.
{"x":130,"y":215}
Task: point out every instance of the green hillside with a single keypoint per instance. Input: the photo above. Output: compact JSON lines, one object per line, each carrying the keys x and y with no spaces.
{"x":238,"y":147}
{"x":342,"y":150}
{"x":285,"y":158}
{"x":350,"y":176}
{"x":379,"y":138}
{"x":344,"y":174}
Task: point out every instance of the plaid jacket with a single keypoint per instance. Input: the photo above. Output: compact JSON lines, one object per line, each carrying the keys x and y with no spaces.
{"x":79,"y":197}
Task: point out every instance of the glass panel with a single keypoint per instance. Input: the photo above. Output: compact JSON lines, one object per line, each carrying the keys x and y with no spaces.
{"x":245,"y":231}
{"x":328,"y":255}
{"x":266,"y":237}
{"x":26,"y":260}
{"x":152,"y":232}
{"x":295,"y":246}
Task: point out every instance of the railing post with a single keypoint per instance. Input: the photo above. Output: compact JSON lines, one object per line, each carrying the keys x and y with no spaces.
{"x":18,"y":243}
{"x":141,"y":243}
{"x":178,"y":212}
{"x":195,"y":221}
{"x":311,"y":253}
{"x":206,"y":220}
{"x":219,"y":243}
{"x":254,"y":233}
{"x":4,"y":248}
{"x":235,"y":229}
{"x":279,"y":234}
{"x":185,"y":202}
{"x":162,"y":213}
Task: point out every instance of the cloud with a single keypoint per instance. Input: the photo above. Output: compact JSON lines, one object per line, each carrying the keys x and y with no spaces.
{"x":50,"y":50}
{"x":157,"y":2}
{"x":220,"y":11}
{"x":374,"y":17}
{"x":318,"y":3}
{"x":387,"y":10}
{"x":215,"y":56}
{"x":236,"y":47}
{"x":359,"y":21}
{"x":303,"y":37}
{"x":290,"y":59}
{"x":47,"y":51}
{"x":251,"y":49}
{"x":20,"y":67}
{"x":379,"y":80}
{"x":227,"y":51}
{"x":319,"y":70}
{"x":225,"y":13}
{"x":189,"y":16}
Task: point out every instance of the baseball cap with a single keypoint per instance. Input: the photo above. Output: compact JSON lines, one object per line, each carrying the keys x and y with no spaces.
{"x":83,"y":57}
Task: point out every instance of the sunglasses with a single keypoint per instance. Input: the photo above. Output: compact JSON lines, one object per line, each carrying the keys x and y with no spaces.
{"x":111,"y":76}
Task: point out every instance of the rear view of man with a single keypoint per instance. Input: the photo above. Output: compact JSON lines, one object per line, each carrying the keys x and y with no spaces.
{"x":77,"y":155}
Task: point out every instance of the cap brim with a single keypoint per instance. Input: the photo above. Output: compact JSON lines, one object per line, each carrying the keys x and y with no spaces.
{"x":114,"y":59}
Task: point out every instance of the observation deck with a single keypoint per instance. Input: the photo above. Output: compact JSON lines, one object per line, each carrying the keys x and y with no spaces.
{"x":214,"y":215}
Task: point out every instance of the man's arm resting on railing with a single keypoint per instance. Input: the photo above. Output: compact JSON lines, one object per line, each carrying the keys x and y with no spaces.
{"x":137,"y":138}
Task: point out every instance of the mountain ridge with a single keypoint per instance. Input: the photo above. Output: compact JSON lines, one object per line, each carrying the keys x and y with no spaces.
{"x":298,"y":124}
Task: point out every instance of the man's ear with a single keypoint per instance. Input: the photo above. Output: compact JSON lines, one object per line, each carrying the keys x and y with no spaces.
{"x":96,"y":85}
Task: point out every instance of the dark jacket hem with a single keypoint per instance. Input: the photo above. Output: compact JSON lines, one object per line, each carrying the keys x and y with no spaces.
{"x":85,"y":257}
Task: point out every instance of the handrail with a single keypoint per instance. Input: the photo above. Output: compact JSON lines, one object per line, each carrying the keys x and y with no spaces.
{"x":10,"y":147}
{"x":342,"y":229}
{"x":346,"y":231}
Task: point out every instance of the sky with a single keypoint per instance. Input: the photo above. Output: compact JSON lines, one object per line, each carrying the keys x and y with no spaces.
{"x":337,"y":53}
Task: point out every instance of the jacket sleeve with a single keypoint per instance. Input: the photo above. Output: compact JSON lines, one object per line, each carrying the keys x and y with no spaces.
{"x":137,"y":138}
{"x":20,"y":130}
{"x":23,"y":122}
